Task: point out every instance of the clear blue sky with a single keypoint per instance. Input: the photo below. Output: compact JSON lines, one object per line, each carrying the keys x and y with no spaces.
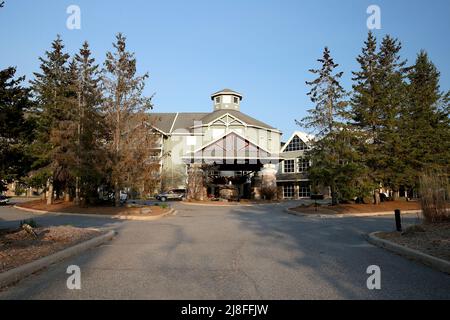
{"x":260,"y":48}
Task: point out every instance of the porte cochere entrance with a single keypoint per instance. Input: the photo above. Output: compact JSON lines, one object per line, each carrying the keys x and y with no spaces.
{"x":231,"y":167}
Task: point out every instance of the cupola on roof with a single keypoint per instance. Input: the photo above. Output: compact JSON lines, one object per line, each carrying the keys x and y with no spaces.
{"x":226,"y":99}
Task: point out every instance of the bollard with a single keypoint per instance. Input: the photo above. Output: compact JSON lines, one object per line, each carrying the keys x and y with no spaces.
{"x":398,"y":221}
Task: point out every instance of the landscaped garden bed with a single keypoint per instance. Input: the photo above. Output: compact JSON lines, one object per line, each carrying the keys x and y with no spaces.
{"x":430,"y":238}
{"x":19,"y":247}
{"x":358,"y":208}
{"x":70,"y":207}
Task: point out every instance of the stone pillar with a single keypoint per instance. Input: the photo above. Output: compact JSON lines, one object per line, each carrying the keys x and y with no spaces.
{"x":196,"y":189}
{"x":269,"y":181}
{"x":296,"y":191}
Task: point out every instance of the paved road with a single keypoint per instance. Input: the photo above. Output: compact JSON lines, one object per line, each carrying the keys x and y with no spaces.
{"x":235,"y":253}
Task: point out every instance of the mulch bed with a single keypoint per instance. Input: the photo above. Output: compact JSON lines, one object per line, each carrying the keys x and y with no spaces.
{"x":432,"y":239}
{"x":70,"y":207}
{"x":18,"y":247}
{"x":359,"y":208}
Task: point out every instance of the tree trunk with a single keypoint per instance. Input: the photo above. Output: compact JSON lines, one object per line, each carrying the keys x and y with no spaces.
{"x":50,"y":192}
{"x":334,"y":197}
{"x":116,"y":194}
{"x":395,"y":194}
{"x":376,"y":196}
{"x":77,"y":191}
{"x":67,"y":194}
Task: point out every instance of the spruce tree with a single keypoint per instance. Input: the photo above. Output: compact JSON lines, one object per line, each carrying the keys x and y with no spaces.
{"x":388,"y":163}
{"x":124,"y":108}
{"x":90,"y":127}
{"x":365,"y":115}
{"x":379,"y":94}
{"x":334,"y":163}
{"x":424,"y":121}
{"x":16,"y":127}
{"x":50,"y":92}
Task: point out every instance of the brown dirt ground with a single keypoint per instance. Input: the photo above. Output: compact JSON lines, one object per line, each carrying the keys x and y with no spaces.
{"x":359,"y":208}
{"x":17,"y":247}
{"x":432,"y":239}
{"x":69,"y":207}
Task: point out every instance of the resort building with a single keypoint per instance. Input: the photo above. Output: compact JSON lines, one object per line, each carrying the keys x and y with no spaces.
{"x":240,"y":155}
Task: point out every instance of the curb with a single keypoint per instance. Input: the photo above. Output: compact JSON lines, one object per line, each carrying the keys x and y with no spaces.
{"x":229,"y":205}
{"x":216,"y":205}
{"x":433,"y":262}
{"x":341,"y":215}
{"x":16,"y":274}
{"x":122,"y":217}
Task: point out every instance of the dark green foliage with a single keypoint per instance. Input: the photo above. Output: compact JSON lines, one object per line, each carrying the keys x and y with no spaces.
{"x":31,"y":222}
{"x":54,"y":117}
{"x":16,"y":127}
{"x":334,"y":160}
{"x":424,"y":122}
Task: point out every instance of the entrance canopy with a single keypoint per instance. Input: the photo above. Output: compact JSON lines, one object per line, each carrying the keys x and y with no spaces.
{"x":232,"y":149}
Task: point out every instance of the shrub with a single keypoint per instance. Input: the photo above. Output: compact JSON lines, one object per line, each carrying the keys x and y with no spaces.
{"x":29,"y":222}
{"x":434,"y":190}
{"x":269,"y":193}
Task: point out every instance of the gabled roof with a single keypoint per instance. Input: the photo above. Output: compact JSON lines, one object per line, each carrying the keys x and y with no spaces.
{"x":170,"y":122}
{"x":305,"y":137}
{"x":234,"y":133}
{"x":237,"y":114}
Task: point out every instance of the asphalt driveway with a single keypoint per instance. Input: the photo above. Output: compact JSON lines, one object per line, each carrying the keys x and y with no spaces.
{"x":233,"y":253}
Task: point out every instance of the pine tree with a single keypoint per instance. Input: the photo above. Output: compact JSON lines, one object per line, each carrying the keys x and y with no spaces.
{"x":16,"y":127}
{"x":378,"y":97}
{"x":424,"y":122}
{"x":90,"y":126}
{"x":388,"y":164}
{"x":124,"y":105}
{"x":364,"y":115}
{"x":50,"y":91}
{"x":333,"y":159}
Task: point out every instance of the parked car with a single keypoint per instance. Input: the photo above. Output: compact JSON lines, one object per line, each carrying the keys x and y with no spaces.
{"x":110,"y":195}
{"x":4,"y":200}
{"x":174,"y":194}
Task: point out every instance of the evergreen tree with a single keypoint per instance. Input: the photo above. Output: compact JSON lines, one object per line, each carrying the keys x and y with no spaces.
{"x":16,"y":127}
{"x":333,"y":159}
{"x":124,"y":109}
{"x":50,"y":88}
{"x":365,"y":116}
{"x":388,"y":164}
{"x":424,"y":122}
{"x":378,"y":97}
{"x":90,"y":126}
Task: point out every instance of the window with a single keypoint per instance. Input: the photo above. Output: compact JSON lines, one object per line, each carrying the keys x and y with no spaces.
{"x":236,"y":100}
{"x":303,"y":165}
{"x":289,"y":166}
{"x":288,"y":191}
{"x":217,"y":99}
{"x":296,"y":145}
{"x":304,"y":192}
